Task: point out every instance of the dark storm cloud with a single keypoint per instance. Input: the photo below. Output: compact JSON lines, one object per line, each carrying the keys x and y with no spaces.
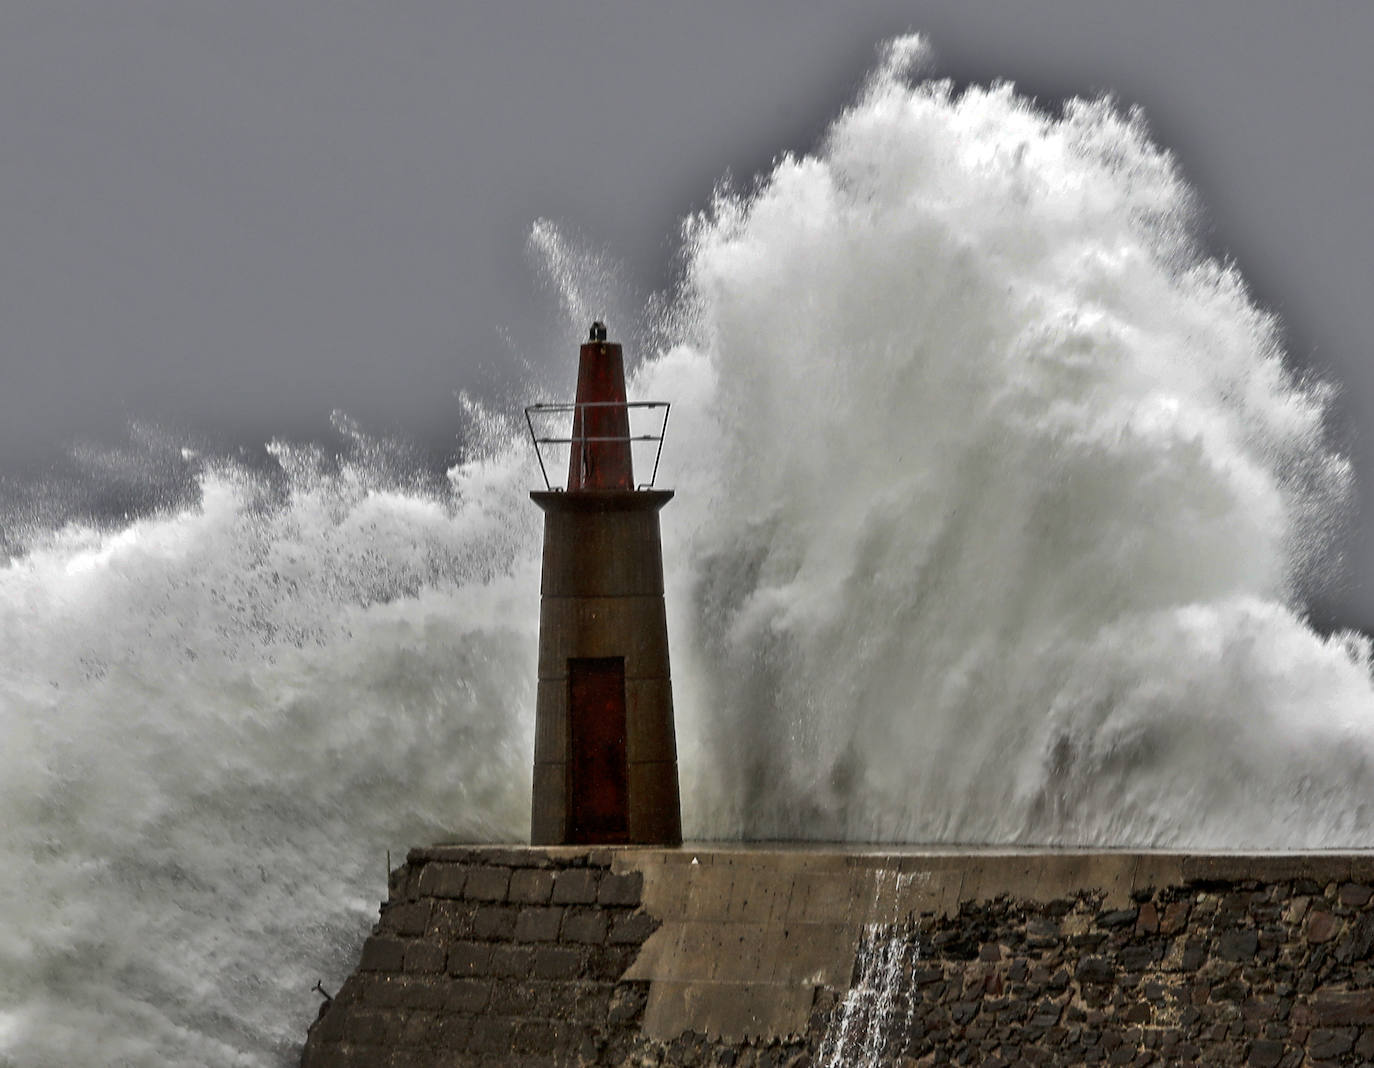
{"x":231,"y":219}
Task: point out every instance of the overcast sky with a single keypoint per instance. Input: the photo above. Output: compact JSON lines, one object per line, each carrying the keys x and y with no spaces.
{"x":233,"y":218}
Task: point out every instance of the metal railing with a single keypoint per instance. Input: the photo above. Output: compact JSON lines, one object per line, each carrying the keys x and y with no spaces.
{"x":583,"y":439}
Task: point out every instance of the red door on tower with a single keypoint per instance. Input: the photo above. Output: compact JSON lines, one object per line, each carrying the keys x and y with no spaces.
{"x":598,"y":769}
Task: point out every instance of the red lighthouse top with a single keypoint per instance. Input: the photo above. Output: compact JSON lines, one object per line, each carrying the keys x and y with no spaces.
{"x":600,"y":457}
{"x":600,"y":446}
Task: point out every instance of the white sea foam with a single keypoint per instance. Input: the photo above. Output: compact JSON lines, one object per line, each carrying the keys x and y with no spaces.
{"x":994,"y":505}
{"x":999,"y":497}
{"x":216,"y":723}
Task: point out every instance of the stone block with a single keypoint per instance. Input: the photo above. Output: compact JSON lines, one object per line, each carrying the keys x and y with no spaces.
{"x":511,"y":961}
{"x":1238,"y":946}
{"x":425,"y":957}
{"x":418,"y":1029}
{"x":407,"y":919}
{"x":387,"y":990}
{"x":608,"y":962}
{"x":1358,"y":942}
{"x":584,"y":925}
{"x":591,"y":1002}
{"x":371,"y":1028}
{"x":453,"y":854}
{"x":1322,"y":926}
{"x":382,"y":954}
{"x":537,"y":1036}
{"x":575,"y":886}
{"x":469,"y":959}
{"x":487,"y":884}
{"x":1328,"y":1043}
{"x":521,"y":999}
{"x":352,"y":1055}
{"x":492,"y":1035}
{"x":546,"y":999}
{"x":1175,"y":917}
{"x":442,"y":880}
{"x":1095,"y":970}
{"x":468,"y":995}
{"x":538,"y":925}
{"x":494,"y":922}
{"x":556,"y":962}
{"x":1332,"y":1008}
{"x":530,"y":886}
{"x":1117,"y":918}
{"x":516,"y":856}
{"x":451,"y":1031}
{"x":450,"y":920}
{"x":621,"y":890}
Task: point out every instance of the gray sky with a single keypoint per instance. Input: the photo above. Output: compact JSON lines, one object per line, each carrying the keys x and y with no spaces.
{"x":232,"y":218}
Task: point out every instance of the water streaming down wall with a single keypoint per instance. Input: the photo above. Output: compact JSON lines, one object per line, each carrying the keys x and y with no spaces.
{"x":995,"y":502}
{"x":880,"y":1000}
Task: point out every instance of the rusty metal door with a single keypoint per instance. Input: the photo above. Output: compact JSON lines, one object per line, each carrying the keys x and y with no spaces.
{"x":598,"y":767}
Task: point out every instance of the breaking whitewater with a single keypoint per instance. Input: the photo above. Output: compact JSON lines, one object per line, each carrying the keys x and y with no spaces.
{"x":995,"y":505}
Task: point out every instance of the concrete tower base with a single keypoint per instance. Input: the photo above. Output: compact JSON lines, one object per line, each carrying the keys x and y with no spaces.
{"x":605,"y":755}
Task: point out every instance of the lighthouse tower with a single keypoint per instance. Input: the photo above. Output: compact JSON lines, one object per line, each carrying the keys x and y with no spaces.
{"x":605,"y":756}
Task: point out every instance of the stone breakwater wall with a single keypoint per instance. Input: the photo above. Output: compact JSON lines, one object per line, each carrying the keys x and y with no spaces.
{"x":773,"y":956}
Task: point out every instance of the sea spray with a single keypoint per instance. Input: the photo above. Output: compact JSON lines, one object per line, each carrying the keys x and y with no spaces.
{"x":216,"y":722}
{"x":995,"y":501}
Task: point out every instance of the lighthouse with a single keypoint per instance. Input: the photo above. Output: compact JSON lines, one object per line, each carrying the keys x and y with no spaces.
{"x":605,"y":754}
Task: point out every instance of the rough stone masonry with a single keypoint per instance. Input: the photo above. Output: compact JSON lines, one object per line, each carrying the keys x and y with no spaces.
{"x":770,"y":956}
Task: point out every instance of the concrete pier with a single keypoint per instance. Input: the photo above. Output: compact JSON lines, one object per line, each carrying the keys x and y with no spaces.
{"x":764,"y":954}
